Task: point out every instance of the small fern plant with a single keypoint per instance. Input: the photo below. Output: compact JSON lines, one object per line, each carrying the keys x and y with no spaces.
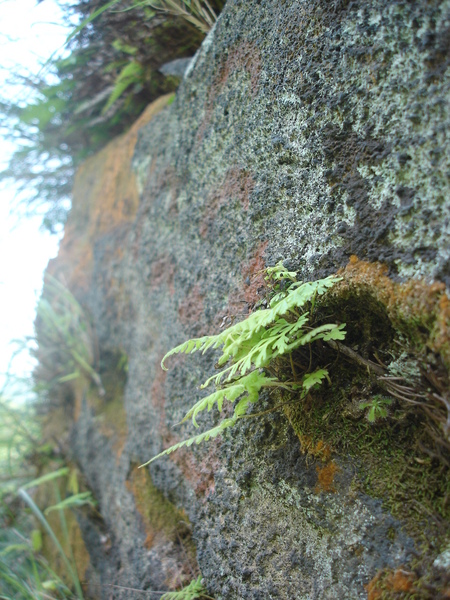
{"x":252,"y":348}
{"x":194,"y":591}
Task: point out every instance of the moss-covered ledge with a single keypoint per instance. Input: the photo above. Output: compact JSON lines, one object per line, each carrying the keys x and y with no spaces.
{"x":396,"y":356}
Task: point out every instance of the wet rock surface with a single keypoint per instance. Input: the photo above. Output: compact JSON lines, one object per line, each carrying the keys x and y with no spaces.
{"x":303,"y":131}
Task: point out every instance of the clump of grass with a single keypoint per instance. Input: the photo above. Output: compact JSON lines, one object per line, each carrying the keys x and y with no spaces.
{"x":65,"y":337}
{"x":74,"y":500}
{"x":198,"y":12}
{"x":24,"y":572}
{"x":25,"y":529}
{"x":19,"y":434}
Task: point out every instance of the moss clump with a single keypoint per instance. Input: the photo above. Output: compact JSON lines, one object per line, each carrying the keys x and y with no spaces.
{"x":416,"y":309}
{"x":392,"y":454}
{"x":164,"y":521}
{"x":400,"y":333}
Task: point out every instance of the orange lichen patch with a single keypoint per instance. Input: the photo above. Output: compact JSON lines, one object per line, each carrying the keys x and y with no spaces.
{"x":253,"y":275}
{"x":163,"y":273}
{"x":372,"y":588}
{"x":325,"y":477}
{"x":237,"y":185}
{"x":320,"y":450}
{"x":104,"y":197}
{"x":413,"y":307}
{"x":401,"y":580}
{"x":246,"y":56}
{"x":398,"y":581}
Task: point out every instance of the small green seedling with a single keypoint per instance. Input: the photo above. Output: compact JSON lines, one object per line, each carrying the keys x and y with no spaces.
{"x":377,"y":408}
{"x":251,"y":347}
{"x":193,"y":591}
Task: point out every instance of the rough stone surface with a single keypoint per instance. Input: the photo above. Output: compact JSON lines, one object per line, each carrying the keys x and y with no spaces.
{"x":307,"y":131}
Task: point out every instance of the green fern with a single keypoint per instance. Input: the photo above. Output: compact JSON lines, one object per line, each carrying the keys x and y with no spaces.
{"x":252,"y":346}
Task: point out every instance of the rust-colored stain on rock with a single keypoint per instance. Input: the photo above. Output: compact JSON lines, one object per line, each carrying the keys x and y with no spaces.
{"x":245,"y":56}
{"x":319,"y":450}
{"x":325,"y":477}
{"x":199,"y":473}
{"x":399,"y":580}
{"x":190,"y":309}
{"x":253,"y":276}
{"x":238,"y":185}
{"x":163,"y":273}
{"x":105,"y":197}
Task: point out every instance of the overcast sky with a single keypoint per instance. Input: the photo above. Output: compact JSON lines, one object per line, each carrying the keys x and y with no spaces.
{"x":29,"y":34}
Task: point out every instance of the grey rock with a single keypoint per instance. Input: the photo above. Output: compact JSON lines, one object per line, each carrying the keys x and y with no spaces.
{"x":176,"y":68}
{"x":308,"y":132}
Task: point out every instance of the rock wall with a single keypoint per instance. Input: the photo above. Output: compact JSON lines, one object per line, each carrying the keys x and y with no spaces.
{"x":309,"y":132}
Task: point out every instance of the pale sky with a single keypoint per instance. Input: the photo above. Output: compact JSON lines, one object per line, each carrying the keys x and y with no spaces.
{"x":29,"y":34}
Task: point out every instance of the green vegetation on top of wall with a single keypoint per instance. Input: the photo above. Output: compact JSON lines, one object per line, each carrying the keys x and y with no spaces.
{"x":78,"y":103}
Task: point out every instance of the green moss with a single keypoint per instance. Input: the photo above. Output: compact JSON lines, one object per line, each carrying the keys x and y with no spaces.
{"x":160,"y":516}
{"x":402,"y":458}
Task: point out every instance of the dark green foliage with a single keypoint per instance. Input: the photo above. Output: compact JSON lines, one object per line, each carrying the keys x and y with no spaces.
{"x":377,"y":408}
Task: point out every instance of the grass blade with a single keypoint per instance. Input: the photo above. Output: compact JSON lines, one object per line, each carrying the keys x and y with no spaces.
{"x":38,"y":514}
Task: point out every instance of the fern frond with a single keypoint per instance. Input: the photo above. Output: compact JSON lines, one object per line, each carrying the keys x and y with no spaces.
{"x":193,"y":591}
{"x":279,"y":272}
{"x":320,"y":333}
{"x":250,"y":346}
{"x":315,"y":378}
{"x":198,"y":439}
{"x":250,"y":384}
{"x":301,"y":295}
{"x":132,"y":73}
{"x":337,"y":333}
{"x":188,"y":347}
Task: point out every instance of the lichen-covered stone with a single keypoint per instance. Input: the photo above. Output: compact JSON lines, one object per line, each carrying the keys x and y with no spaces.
{"x":304,"y":131}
